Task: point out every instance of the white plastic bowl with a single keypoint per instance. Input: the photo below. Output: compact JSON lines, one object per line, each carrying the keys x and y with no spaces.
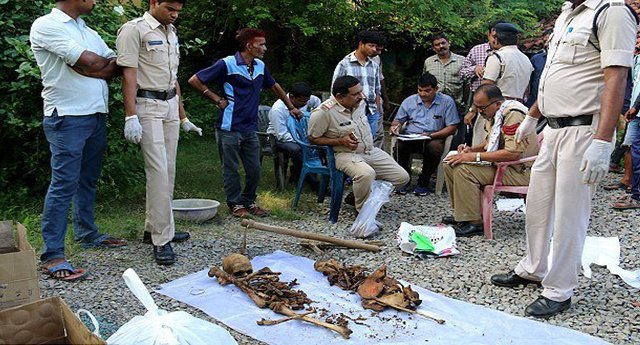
{"x":195,"y":210}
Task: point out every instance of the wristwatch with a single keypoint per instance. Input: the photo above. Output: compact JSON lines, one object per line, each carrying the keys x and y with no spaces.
{"x":478,"y":157}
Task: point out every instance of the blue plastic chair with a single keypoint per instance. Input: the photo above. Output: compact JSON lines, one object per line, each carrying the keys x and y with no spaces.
{"x":317,"y":160}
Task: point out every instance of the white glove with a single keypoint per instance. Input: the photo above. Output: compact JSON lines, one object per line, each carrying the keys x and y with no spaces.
{"x":527,"y":127}
{"x":188,"y":126}
{"x":595,"y":162}
{"x":132,"y":129}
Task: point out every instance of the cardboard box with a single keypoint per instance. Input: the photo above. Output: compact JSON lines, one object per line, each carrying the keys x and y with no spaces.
{"x":18,"y":274}
{"x":48,"y":321}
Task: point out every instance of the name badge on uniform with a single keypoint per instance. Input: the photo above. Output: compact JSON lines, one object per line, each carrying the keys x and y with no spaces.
{"x":437,"y":117}
{"x":156,"y":43}
{"x":344,"y":123}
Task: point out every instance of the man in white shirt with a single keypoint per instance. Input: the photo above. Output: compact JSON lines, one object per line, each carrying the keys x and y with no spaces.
{"x":75,"y":64}
{"x":301,"y":98}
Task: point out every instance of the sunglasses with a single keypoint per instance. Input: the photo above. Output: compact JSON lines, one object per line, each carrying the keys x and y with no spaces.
{"x":486,"y":106}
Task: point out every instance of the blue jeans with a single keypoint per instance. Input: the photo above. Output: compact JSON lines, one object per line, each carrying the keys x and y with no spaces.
{"x":76,"y":144}
{"x":373,"y":123}
{"x":635,"y":158}
{"x":236,"y":147}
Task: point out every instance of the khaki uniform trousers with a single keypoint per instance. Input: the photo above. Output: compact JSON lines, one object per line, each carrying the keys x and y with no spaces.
{"x":558,"y":206}
{"x":464,"y":183}
{"x":366,"y":167}
{"x":160,"y":129}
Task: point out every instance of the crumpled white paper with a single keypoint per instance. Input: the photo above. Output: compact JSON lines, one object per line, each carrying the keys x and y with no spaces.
{"x":605,"y":251}
{"x":512,"y":205}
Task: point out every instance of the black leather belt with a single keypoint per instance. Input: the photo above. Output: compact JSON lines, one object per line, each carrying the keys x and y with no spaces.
{"x":161,"y":95}
{"x":561,"y":122}
{"x":514,"y":99}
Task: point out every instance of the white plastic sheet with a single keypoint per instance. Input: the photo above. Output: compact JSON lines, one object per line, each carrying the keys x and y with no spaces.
{"x":465,"y":323}
{"x":605,"y":251}
{"x":157,"y":327}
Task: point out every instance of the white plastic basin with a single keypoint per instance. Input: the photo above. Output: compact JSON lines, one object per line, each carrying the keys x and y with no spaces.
{"x":195,"y":210}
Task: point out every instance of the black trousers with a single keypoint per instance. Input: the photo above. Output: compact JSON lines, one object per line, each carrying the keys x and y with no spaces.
{"x":292,"y":151}
{"x":431,"y":151}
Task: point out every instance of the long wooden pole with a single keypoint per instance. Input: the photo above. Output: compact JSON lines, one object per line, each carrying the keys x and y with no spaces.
{"x":309,"y":235}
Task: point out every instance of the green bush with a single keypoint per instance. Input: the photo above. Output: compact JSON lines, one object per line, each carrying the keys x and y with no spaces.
{"x":305,"y":39}
{"x":24,"y":165}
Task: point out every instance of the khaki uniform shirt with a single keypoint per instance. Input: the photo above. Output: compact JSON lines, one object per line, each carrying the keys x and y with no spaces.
{"x":516,"y":71}
{"x":572,"y":81}
{"x":511,"y":119}
{"x":332,"y":120}
{"x":152,"y":48}
{"x":448,"y":75}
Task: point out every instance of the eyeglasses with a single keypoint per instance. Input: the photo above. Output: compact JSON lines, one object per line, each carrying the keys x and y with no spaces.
{"x":486,"y":106}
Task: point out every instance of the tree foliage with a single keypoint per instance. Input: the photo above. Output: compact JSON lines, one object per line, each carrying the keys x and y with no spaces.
{"x":305,"y":38}
{"x":24,"y":167}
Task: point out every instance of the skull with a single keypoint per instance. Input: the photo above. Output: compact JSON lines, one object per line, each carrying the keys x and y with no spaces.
{"x":237,"y":265}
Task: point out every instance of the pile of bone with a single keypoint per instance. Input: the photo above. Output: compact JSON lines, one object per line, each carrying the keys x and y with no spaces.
{"x":377,"y":290}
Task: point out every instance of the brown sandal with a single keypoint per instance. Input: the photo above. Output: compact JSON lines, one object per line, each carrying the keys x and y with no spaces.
{"x":616,"y":186}
{"x":627,"y":203}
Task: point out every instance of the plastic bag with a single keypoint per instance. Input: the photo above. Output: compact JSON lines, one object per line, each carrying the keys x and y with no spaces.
{"x":424,"y":240}
{"x":157,"y":327}
{"x":365,"y":224}
{"x":94,"y":321}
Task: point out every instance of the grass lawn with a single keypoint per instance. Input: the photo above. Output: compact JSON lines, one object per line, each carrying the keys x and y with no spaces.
{"x":198,"y":175}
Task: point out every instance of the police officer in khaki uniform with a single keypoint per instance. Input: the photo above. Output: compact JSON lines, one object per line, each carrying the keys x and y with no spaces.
{"x":507,"y":67}
{"x":464,"y":181}
{"x":341,"y":122}
{"x":149,"y":54}
{"x":581,"y":94}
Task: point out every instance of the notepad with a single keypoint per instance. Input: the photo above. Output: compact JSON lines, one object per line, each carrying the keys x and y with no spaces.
{"x":452,"y":153}
{"x":409,"y":137}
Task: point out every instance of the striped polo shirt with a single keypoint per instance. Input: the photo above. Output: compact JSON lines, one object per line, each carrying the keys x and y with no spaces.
{"x":241,"y":89}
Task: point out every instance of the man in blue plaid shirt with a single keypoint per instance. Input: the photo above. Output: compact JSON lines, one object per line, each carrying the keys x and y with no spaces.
{"x":359,"y":64}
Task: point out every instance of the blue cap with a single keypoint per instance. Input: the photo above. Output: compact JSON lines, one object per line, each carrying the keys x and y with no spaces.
{"x":506,"y":27}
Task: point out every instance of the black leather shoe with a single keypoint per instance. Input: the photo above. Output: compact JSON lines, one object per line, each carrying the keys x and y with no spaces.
{"x":164,"y":254}
{"x":466,"y":229}
{"x":179,"y":236}
{"x":350,"y":199}
{"x":511,"y":280}
{"x":450,"y":220}
{"x":544,"y":307}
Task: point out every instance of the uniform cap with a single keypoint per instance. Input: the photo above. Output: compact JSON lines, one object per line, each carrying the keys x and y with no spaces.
{"x":506,"y":27}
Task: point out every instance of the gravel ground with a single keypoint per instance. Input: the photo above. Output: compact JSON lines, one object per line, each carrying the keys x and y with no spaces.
{"x":604,"y":306}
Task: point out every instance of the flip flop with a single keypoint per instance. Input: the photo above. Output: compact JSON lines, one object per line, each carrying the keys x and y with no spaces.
{"x":616,"y":186}
{"x":628,"y":203}
{"x":76,"y":273}
{"x":104,"y":241}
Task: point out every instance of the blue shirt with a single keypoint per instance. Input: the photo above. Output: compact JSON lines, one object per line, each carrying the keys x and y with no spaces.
{"x":423,"y":118}
{"x":57,"y":41}
{"x":538,"y":62}
{"x":241,"y":90}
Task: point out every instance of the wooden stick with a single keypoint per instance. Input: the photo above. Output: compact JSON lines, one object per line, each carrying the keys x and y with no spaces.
{"x":419,"y":312}
{"x":309,"y":235}
{"x":322,"y":245}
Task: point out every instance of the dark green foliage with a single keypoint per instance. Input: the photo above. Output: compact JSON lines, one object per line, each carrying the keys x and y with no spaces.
{"x":24,"y":161}
{"x":305,"y":39}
